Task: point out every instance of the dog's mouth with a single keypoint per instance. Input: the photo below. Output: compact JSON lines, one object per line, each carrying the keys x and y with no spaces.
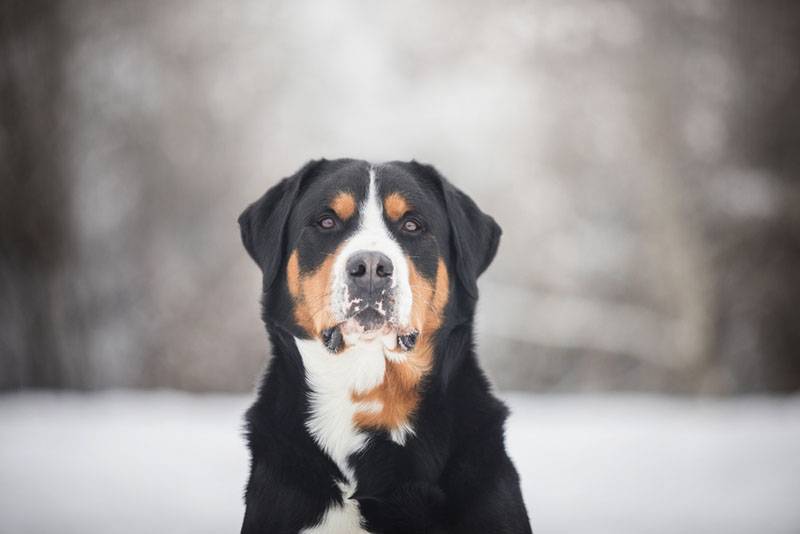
{"x":367,"y":325}
{"x":370,"y":319}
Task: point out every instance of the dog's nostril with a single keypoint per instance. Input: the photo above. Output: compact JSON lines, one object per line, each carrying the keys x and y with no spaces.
{"x":357,"y":270}
{"x":383,"y":270}
{"x":369,"y":268}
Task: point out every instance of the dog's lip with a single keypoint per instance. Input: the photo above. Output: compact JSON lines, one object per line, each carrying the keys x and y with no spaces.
{"x":369,"y":318}
{"x":351,"y":331}
{"x":352,"y":326}
{"x":376,"y":306}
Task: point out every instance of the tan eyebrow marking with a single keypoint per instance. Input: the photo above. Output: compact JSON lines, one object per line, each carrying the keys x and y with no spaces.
{"x":344,"y":205}
{"x":396,"y":206}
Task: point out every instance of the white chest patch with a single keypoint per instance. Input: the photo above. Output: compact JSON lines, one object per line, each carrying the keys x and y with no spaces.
{"x":331,"y":380}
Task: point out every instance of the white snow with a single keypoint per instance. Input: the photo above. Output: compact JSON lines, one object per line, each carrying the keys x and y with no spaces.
{"x":133,"y":462}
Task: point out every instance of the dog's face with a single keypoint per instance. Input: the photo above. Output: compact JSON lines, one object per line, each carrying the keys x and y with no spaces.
{"x":352,"y":252}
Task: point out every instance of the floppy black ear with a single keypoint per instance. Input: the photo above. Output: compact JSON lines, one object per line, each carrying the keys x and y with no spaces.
{"x":475,"y":235}
{"x":263,"y":223}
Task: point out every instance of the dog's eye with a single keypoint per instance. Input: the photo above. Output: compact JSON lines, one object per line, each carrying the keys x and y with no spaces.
{"x":411,"y":226}
{"x":326,"y":222}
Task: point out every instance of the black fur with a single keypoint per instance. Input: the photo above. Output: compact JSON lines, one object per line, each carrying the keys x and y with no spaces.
{"x":475,"y":235}
{"x":454,"y":474}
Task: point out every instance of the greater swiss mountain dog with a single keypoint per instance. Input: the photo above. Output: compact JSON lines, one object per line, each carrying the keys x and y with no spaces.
{"x":374,"y":415}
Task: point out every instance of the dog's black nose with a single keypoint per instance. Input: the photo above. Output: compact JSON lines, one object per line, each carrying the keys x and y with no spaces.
{"x":370,"y":270}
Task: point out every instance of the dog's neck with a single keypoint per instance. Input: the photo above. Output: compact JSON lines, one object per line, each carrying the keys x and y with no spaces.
{"x":348,"y":390}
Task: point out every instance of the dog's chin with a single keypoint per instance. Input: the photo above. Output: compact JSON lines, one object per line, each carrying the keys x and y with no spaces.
{"x":369,"y":326}
{"x":368,"y":322}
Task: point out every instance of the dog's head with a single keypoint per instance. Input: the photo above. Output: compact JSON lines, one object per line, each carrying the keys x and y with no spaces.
{"x":351,"y":251}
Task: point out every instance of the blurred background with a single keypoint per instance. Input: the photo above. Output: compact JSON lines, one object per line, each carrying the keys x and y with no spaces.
{"x":641,"y":157}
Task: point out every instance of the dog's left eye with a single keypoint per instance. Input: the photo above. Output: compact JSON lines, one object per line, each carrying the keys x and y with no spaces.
{"x":326,"y":222}
{"x":411,"y":226}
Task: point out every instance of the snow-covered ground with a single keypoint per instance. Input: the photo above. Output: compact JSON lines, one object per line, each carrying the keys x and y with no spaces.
{"x":131,"y":462}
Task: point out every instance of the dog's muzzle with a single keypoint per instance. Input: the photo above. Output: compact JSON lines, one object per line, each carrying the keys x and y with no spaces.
{"x":369,"y":288}
{"x":369,"y":307}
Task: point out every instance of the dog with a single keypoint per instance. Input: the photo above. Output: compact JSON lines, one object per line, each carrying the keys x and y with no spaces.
{"x":373,"y":414}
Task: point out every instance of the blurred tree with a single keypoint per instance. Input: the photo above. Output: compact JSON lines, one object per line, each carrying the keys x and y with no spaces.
{"x":38,"y":327}
{"x":758,"y":260}
{"x":650,"y":149}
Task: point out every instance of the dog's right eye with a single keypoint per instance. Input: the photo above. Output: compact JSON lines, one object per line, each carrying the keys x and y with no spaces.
{"x":326,"y":222}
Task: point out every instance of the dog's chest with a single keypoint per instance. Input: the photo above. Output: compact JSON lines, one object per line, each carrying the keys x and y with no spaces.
{"x":332,"y":380}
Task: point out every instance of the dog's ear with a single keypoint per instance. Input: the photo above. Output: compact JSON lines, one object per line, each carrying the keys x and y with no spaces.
{"x":474,"y":234}
{"x":263,"y":223}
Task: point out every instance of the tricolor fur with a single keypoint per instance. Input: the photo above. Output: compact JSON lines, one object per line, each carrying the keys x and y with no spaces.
{"x":374,"y":415}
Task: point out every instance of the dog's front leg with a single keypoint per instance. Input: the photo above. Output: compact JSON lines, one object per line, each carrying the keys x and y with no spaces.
{"x":411,"y":508}
{"x":482,"y":488}
{"x":284,"y":498}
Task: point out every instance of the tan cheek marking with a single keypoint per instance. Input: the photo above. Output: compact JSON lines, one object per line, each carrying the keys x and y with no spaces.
{"x":399,"y":393}
{"x":344,"y":205}
{"x":428,"y":300}
{"x":396,"y":206}
{"x":312,"y":294}
{"x":293,"y":274}
{"x":442,"y":294}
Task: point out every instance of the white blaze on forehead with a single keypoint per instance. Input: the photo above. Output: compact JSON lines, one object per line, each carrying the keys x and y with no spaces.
{"x":373,"y":235}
